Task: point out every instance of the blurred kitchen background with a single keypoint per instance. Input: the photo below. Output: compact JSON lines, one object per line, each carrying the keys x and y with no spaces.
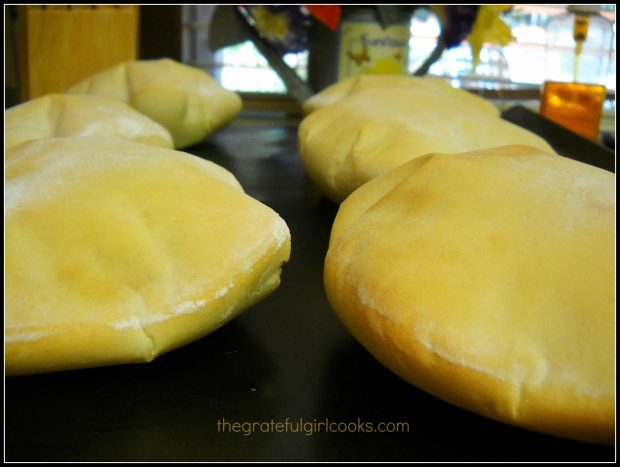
{"x":215,"y":39}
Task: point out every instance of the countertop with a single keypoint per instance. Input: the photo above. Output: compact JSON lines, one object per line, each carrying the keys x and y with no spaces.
{"x":286,"y":358}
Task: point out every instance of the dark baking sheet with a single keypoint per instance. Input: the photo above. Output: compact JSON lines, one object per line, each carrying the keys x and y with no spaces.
{"x":287,"y":357}
{"x":565,"y":142}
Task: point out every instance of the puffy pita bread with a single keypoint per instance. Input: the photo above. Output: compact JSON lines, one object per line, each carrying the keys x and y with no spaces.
{"x":487,"y":279}
{"x":361,"y":83}
{"x":60,"y":115}
{"x":117,"y":252}
{"x":369,"y":132}
{"x":184,"y":99}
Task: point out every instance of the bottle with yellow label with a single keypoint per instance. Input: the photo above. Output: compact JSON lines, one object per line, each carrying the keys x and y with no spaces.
{"x":577,"y":61}
{"x":367,"y":47}
{"x":364,"y":43}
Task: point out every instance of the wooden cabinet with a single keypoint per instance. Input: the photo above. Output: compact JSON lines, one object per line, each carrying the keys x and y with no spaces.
{"x":60,"y":45}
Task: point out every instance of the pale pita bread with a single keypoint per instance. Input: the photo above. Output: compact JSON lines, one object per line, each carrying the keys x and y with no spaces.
{"x":184,"y":99}
{"x":117,"y":252}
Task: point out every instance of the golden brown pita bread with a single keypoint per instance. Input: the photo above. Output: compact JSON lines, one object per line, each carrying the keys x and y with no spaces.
{"x":488,"y":280}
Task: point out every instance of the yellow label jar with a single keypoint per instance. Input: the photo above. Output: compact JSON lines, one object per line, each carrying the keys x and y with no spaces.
{"x":367,"y":48}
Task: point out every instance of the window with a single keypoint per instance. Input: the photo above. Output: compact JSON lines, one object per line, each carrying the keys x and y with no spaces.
{"x":242,"y":68}
{"x":239,"y":67}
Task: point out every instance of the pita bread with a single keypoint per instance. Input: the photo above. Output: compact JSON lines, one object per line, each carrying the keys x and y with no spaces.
{"x":494,"y":288}
{"x":117,"y":252}
{"x":361,"y":83}
{"x":184,"y":99}
{"x":60,"y":115}
{"x":369,"y":132}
